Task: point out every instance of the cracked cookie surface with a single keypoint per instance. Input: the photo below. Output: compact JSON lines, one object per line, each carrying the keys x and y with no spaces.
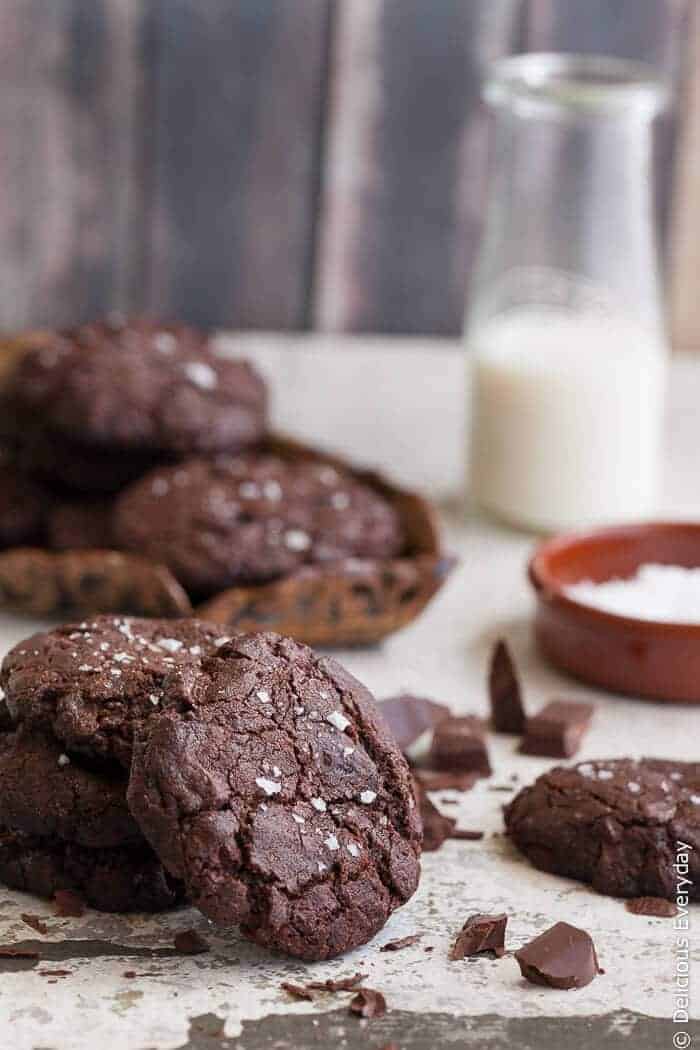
{"x":91,"y":684}
{"x":616,"y":824}
{"x":280,"y":798}
{"x":251,"y":518}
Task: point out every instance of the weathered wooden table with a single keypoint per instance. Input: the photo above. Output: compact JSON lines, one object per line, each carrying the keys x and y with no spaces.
{"x":231,"y":997}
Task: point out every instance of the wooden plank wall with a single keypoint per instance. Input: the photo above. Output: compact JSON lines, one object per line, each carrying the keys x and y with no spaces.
{"x":266,"y":163}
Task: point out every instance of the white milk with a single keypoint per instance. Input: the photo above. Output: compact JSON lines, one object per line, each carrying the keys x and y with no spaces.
{"x":567,"y":419}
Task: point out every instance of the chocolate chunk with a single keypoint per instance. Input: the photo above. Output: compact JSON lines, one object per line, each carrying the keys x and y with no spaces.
{"x":438,"y":780}
{"x":507,"y":711}
{"x":297,"y":991}
{"x":480,"y":933}
{"x":467,"y":834}
{"x":402,"y":942}
{"x":411,"y":716}
{"x":562,"y":957}
{"x":436,"y":827}
{"x":35,"y":923}
{"x":340,"y":984}
{"x":189,"y":942}
{"x":368,"y":1003}
{"x":557,"y":730}
{"x":68,"y":904}
{"x":459,"y":747}
{"x":655,"y":907}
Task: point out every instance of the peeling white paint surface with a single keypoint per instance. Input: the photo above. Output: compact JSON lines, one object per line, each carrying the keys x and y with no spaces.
{"x":443,"y":656}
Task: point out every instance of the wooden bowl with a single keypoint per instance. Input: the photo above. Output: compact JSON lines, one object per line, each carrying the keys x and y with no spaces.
{"x":644,"y":658}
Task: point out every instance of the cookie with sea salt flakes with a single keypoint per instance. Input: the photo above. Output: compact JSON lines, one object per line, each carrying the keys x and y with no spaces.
{"x":46,"y":792}
{"x":91,"y":684}
{"x":135,"y":385}
{"x":249,"y":518}
{"x":280,"y":798}
{"x":616,"y":824}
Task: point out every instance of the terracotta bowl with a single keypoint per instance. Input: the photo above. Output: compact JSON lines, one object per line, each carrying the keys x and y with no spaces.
{"x":643,"y":658}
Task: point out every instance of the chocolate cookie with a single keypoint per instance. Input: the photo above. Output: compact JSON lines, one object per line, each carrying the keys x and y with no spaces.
{"x":23,"y":507}
{"x":615,"y":824}
{"x":249,"y":518}
{"x":280,"y":798}
{"x":122,"y":879}
{"x":44,"y":791}
{"x":137,"y":385}
{"x":92,"y":684}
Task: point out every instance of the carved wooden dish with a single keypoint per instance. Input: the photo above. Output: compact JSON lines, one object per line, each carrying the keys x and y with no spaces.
{"x":351,"y":602}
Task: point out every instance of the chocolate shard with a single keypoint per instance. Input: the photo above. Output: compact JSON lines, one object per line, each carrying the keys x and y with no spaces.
{"x":480,"y":933}
{"x":368,"y":1003}
{"x":459,"y":746}
{"x":505,"y":697}
{"x":402,"y":942}
{"x":409,"y":717}
{"x":467,"y":834}
{"x":654,"y":907}
{"x":189,"y":942}
{"x":436,"y":827}
{"x":298,"y":991}
{"x":34,"y":922}
{"x":562,"y":957}
{"x":557,"y":730}
{"x":339,"y":984}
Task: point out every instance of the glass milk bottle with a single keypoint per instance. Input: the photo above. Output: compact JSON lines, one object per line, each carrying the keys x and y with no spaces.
{"x":565,"y":331}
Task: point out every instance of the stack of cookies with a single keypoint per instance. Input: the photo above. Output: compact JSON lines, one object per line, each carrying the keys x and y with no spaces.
{"x":145,"y":763}
{"x":142,"y":438}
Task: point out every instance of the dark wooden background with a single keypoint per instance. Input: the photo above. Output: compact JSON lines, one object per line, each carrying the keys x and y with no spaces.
{"x":266,"y":163}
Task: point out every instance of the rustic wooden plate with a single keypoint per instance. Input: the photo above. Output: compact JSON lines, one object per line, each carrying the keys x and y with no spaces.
{"x":352,"y":602}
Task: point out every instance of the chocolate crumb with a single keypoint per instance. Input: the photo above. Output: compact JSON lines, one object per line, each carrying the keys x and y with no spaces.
{"x":54,"y":973}
{"x":340,"y":984}
{"x":562,"y":957}
{"x":68,"y":904}
{"x":411,"y":716}
{"x":467,"y":835}
{"x":505,"y":697}
{"x":297,"y":991}
{"x":402,"y":942}
{"x":34,"y":922}
{"x":189,"y":942}
{"x":480,"y":933}
{"x":368,"y":1003}
{"x":654,"y":907}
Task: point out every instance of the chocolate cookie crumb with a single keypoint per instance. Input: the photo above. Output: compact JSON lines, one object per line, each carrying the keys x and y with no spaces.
{"x":368,"y":1003}
{"x":562,"y":957}
{"x":480,"y":933}
{"x":189,"y":942}
{"x":507,"y":711}
{"x":654,"y":907}
{"x":35,"y":923}
{"x":557,"y":730}
{"x":402,"y":942}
